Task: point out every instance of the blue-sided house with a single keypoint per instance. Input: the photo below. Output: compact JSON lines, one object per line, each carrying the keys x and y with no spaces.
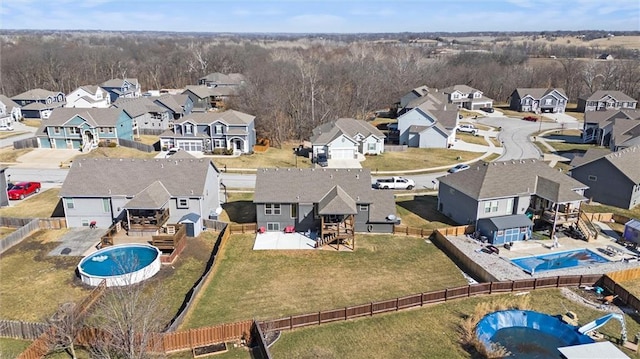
{"x":84,"y":128}
{"x":632,"y":231}
{"x":505,"y":229}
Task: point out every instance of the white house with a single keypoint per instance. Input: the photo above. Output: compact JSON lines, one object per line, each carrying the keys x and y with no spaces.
{"x":88,"y":96}
{"x":9,"y":111}
{"x":345,"y":138}
{"x":426,"y":126}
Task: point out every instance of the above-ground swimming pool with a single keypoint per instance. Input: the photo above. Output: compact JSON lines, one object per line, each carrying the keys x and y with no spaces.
{"x":120,"y":265}
{"x":558,"y":260}
{"x":527,"y":334}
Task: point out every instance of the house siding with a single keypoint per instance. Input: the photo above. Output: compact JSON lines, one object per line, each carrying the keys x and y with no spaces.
{"x":87,"y":209}
{"x":284,"y":218}
{"x":432,"y":138}
{"x":212,"y":203}
{"x":610,"y":187}
{"x":506,"y":206}
{"x":457,"y":205}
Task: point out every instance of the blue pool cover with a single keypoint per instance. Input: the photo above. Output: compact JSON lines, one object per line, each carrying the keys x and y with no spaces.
{"x":528,"y":334}
{"x":558,"y":260}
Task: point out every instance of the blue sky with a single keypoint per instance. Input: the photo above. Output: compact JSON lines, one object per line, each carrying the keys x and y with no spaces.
{"x":329,"y":16}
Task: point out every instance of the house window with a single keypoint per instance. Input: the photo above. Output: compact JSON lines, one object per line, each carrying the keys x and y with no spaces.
{"x":372,"y":147}
{"x":509,"y":209}
{"x":494,"y":206}
{"x":592,"y":178}
{"x":106,"y":207}
{"x":548,"y":101}
{"x":491,"y":206}
{"x":500,"y":233}
{"x":69,"y":203}
{"x":273,"y":226}
{"x":272,"y":209}
{"x":364,"y":207}
{"x":218,"y":143}
{"x":85,"y":223}
{"x":183,"y":203}
{"x":188,"y":129}
{"x":487,"y":207}
{"x":57,"y":130}
{"x":294,"y":210}
{"x":74,"y":130}
{"x":523,"y":229}
{"x":111,"y":129}
{"x":218,"y":129}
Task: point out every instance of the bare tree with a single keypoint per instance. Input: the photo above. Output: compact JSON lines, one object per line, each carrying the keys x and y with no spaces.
{"x":64,"y":327}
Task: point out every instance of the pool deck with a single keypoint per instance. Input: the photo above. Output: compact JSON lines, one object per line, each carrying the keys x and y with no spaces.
{"x":501,"y":267}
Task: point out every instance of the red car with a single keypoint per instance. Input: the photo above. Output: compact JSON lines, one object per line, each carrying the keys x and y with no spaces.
{"x":530,"y":118}
{"x":22,"y":189}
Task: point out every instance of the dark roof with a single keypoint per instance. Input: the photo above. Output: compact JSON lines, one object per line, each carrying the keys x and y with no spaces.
{"x":105,"y":177}
{"x":138,"y":106}
{"x":506,"y":222}
{"x":488,"y":180}
{"x":173,"y":102}
{"x":119,"y":82}
{"x":350,"y":127}
{"x":337,"y":201}
{"x":626,"y":161}
{"x":590,"y":155}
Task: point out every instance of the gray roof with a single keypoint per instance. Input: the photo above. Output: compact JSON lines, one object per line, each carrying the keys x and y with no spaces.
{"x":431,"y":101}
{"x":350,"y":127}
{"x":616,"y":95}
{"x":488,"y":180}
{"x":337,"y":201}
{"x":119,"y":82}
{"x":155,"y":196}
{"x":35,"y":94}
{"x":590,"y":155}
{"x":538,"y":93}
{"x":138,"y":106}
{"x":461,"y":88}
{"x":383,"y":204}
{"x":42,"y":106}
{"x":203,"y":91}
{"x":105,"y":177}
{"x":8,"y":102}
{"x":229,"y":117}
{"x":626,"y":161}
{"x":602,"y":117}
{"x":506,"y":222}
{"x":220,"y":78}
{"x":624,"y":130}
{"x":173,"y":102}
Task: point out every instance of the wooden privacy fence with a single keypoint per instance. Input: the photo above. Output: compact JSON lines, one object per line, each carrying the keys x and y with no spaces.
{"x":242,"y":228}
{"x":136,"y":145}
{"x":420,"y":299}
{"x":21,"y":330}
{"x":21,"y":233}
{"x":31,"y":142}
{"x":258,"y":341}
{"x":26,"y":227}
{"x":193,"y":338}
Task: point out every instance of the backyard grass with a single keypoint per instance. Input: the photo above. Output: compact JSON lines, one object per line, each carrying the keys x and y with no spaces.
{"x":9,"y":154}
{"x":427,"y":332}
{"x":272,"y":158}
{"x":469,"y":138}
{"x":633,"y":286}
{"x":42,"y":205}
{"x":603,"y":208}
{"x":5,"y":231}
{"x":269,"y":284}
{"x":11,"y":348}
{"x":421,"y":212}
{"x":239,"y":208}
{"x":8,"y":134}
{"x":116,"y":152}
{"x":148,"y":139}
{"x":31,"y":122}
{"x":417,"y":158}
{"x":34,"y":284}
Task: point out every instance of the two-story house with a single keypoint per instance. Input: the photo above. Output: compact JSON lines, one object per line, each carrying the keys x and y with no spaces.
{"x":9,"y":111}
{"x":178,"y":105}
{"x":39,"y":103}
{"x":217,"y":79}
{"x":345,"y":138}
{"x":122,"y":88}
{"x":142,"y":194}
{"x":538,"y":100}
{"x":410,"y":99}
{"x":467,"y":97}
{"x":603,"y":100}
{"x":334,"y":203}
{"x":206,"y":98}
{"x":88,"y":96}
{"x":600,"y":126}
{"x":429,"y":125}
{"x":146,"y":113}
{"x":613,"y":177}
{"x":84,"y":129}
{"x":513,"y":191}
{"x":211,"y":131}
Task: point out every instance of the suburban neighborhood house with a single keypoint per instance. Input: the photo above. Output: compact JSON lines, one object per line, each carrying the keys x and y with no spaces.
{"x":143,"y":194}
{"x":84,"y":129}
{"x":602,"y":100}
{"x":177,"y":104}
{"x":467,"y":97}
{"x":89,"y":96}
{"x":513,"y":192}
{"x":538,"y":100}
{"x":429,"y":125}
{"x":206,"y":132}
{"x":410,"y":98}
{"x":331,"y":203}
{"x":601,"y":127}
{"x":122,"y":88}
{"x":345,"y":138}
{"x":39,"y":103}
{"x":9,"y":111}
{"x":146,"y":113}
{"x":217,"y":79}
{"x":613,"y":178}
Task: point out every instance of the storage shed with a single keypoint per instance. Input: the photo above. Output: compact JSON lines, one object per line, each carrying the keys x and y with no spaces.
{"x":632,"y":231}
{"x":505,"y":229}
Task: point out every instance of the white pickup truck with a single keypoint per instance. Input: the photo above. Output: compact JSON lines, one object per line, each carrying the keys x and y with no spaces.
{"x":394,"y":183}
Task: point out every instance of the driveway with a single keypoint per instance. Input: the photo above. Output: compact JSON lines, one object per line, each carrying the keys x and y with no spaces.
{"x":561,"y":117}
{"x":344,"y":163}
{"x":45,"y":158}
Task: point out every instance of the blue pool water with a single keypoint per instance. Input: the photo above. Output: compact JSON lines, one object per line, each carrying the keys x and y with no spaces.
{"x":558,"y":260}
{"x":118,"y":260}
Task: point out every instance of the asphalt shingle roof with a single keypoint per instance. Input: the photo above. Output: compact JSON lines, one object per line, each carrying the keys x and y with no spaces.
{"x":35,"y":94}
{"x":627,"y":161}
{"x":538,"y":93}
{"x":337,"y":201}
{"x":153,"y":197}
{"x":229,"y":117}
{"x":119,"y":82}
{"x":350,"y":127}
{"x":8,"y":102}
{"x":506,"y":222}
{"x":138,"y":106}
{"x":617,"y":95}
{"x":602,"y":117}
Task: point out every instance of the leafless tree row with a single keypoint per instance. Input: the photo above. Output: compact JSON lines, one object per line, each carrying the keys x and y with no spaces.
{"x":294,"y":86}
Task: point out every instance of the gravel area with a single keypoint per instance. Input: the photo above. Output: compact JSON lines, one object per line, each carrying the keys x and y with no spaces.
{"x":501,"y":267}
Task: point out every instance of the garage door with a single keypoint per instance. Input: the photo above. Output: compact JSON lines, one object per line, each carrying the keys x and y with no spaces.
{"x":342,"y":153}
{"x":190,"y":145}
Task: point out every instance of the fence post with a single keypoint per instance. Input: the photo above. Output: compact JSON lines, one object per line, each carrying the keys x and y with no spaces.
{"x":397,"y":303}
{"x":422,"y":299}
{"x":291,"y":322}
{"x":371,"y":309}
{"x":345,"y":313}
{"x":319,"y":320}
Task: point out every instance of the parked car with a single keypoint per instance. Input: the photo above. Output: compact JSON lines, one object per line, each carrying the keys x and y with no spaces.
{"x":394,"y":183}
{"x":6,"y":128}
{"x":487,"y":109}
{"x":322,"y":160}
{"x":458,"y":168}
{"x":467,"y":128}
{"x":530,"y":118}
{"x":21,"y":190}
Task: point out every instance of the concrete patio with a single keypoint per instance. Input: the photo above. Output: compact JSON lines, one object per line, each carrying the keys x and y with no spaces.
{"x":284,"y":241}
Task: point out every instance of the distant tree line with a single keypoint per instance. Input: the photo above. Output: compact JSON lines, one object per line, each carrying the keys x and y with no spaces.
{"x":295,"y":84}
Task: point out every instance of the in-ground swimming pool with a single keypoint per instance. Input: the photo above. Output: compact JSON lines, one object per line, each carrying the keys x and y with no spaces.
{"x":119,"y":265}
{"x":527,"y":334}
{"x":558,"y":260}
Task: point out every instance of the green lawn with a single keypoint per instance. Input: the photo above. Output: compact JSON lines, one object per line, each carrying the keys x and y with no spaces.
{"x":427,"y":332}
{"x":41,"y":205}
{"x":417,"y":158}
{"x":268,"y":284}
{"x":11,"y":348}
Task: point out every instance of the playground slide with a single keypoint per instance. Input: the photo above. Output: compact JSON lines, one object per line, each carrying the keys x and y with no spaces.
{"x":600,"y":322}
